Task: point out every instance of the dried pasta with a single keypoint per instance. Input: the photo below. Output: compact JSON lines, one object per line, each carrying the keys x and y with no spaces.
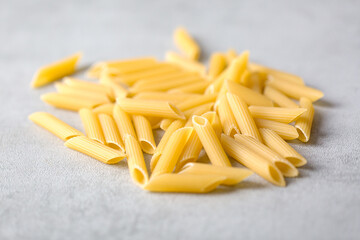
{"x":286,"y":131}
{"x":111,"y":132}
{"x":304,"y":123}
{"x":144,"y":133}
{"x":92,"y":125}
{"x":278,"y":114}
{"x":186,"y":43}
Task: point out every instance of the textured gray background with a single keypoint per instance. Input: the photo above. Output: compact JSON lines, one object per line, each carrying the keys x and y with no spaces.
{"x":50,"y":192}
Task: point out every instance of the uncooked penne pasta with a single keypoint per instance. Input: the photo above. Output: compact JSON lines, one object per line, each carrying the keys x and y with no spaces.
{"x":123,"y":122}
{"x":170,"y":155}
{"x":154,"y":122}
{"x":92,"y":125}
{"x":217,"y":84}
{"x":276,"y":143}
{"x":185,"y":63}
{"x":130,"y":68}
{"x":285,"y":167}
{"x":217,"y":65}
{"x":54,"y":125}
{"x":111,"y":132}
{"x":210,"y":141}
{"x":168,"y":97}
{"x":195,"y":102}
{"x":295,"y":91}
{"x":199,"y":110}
{"x":188,"y":183}
{"x":196,"y":87}
{"x":233,"y":175}
{"x":135,"y":160}
{"x":165,"y":123}
{"x":82,"y":93}
{"x":286,"y":131}
{"x":144,"y":133}
{"x":214,"y":121}
{"x":246,"y":79}
{"x":107,"y":108}
{"x":150,"y":108}
{"x":186,"y":44}
{"x":257,"y":81}
{"x":243,"y":117}
{"x":278,"y":114}
{"x":231,"y":54}
{"x":227,"y":119}
{"x":279,"y":98}
{"x":69,"y":102}
{"x":238,"y":67}
{"x":55,"y":71}
{"x":95,"y":149}
{"x":304,"y":123}
{"x":118,"y":90}
{"x":252,"y":160}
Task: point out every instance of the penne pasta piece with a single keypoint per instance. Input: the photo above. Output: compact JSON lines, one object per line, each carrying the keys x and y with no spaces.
{"x":238,"y":67}
{"x":186,"y":44}
{"x":276,"y":143}
{"x":55,"y":71}
{"x":54,"y":125}
{"x":304,"y":123}
{"x":135,"y":160}
{"x":233,"y":175}
{"x":286,"y":131}
{"x":185,"y":183}
{"x":107,"y":108}
{"x":283,"y":115}
{"x":95,"y":149}
{"x":257,"y":81}
{"x":249,"y":96}
{"x":295,"y":91}
{"x":111,"y":132}
{"x":227,"y":119}
{"x":230,"y":55}
{"x":217,"y":84}
{"x":246,"y":79}
{"x":177,"y":124}
{"x":130,"y":68}
{"x":82,"y":93}
{"x":171,"y":153}
{"x":165,"y":123}
{"x":186,"y":64}
{"x":217,"y":65}
{"x":196,"y":87}
{"x":118,"y":90}
{"x":214,"y":120}
{"x":92,"y":125}
{"x":123,"y":122}
{"x":285,"y":167}
{"x":210,"y":141}
{"x":168,"y":97}
{"x":69,"y":102}
{"x":198,"y":110}
{"x":154,"y":122}
{"x":253,"y":161}
{"x":150,"y":108}
{"x":174,"y":76}
{"x":243,"y":117}
{"x":144,"y":133}
{"x":279,"y":98}
{"x":195,"y":102}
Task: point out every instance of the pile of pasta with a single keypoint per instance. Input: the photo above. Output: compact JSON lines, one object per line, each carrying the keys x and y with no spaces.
{"x":232,"y":109}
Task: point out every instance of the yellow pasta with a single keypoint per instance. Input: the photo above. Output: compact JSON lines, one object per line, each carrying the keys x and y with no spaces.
{"x":54,"y":125}
{"x":238,"y":67}
{"x":246,"y":79}
{"x":304,"y":123}
{"x":253,"y":161}
{"x":233,"y":175}
{"x":276,"y":143}
{"x":82,"y":93}
{"x":191,"y":151}
{"x":256,"y":81}
{"x":150,"y":108}
{"x":111,"y":132}
{"x":144,"y":133}
{"x":135,"y":160}
{"x":196,"y":87}
{"x":186,"y":64}
{"x":165,"y":123}
{"x":294,"y":90}
{"x":69,"y":102}
{"x":242,"y":116}
{"x":92,"y":125}
{"x":123,"y":122}
{"x":188,"y":183}
{"x":284,"y":115}
{"x":170,"y":155}
{"x":192,"y":103}
{"x":154,"y":122}
{"x":130,"y":68}
{"x":230,"y":55}
{"x":227,"y":119}
{"x":118,"y":90}
{"x":107,"y":108}
{"x":210,"y":141}
{"x":198,"y":110}
{"x":217,"y":84}
{"x":95,"y":149}
{"x":285,"y":167}
{"x":168,"y":97}
{"x":186,"y":43}
{"x":214,"y":120}
{"x":286,"y":131}
{"x":55,"y":71}
{"x":217,"y":65}
{"x":279,"y":98}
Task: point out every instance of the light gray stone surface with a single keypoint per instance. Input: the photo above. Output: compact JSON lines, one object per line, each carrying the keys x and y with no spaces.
{"x":50,"y":192}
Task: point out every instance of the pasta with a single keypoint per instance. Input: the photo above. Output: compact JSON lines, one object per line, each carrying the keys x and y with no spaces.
{"x":174,"y":76}
{"x":185,"y":63}
{"x":111,"y":132}
{"x":135,"y":160}
{"x":276,"y":143}
{"x":168,"y":97}
{"x":55,"y":71}
{"x":54,"y":125}
{"x":227,"y":119}
{"x":165,"y":123}
{"x":95,"y":149}
{"x":107,"y":108}
{"x":286,"y":131}
{"x":210,"y":141}
{"x":257,"y":81}
{"x":230,"y":55}
{"x":304,"y":123}
{"x":217,"y":65}
{"x":284,"y":115}
{"x":279,"y":98}
{"x":198,"y":110}
{"x":123,"y":122}
{"x":82,"y":93}
{"x":253,"y":161}
{"x":285,"y":167}
{"x":144,"y":133}
{"x":92,"y":125}
{"x":150,"y":108}
{"x":118,"y":90}
{"x":238,"y":67}
{"x":242,"y":116}
{"x":192,"y":103}
{"x":69,"y":102}
{"x":233,"y":175}
{"x":197,"y":87}
{"x":130,"y":68}
{"x":186,"y":43}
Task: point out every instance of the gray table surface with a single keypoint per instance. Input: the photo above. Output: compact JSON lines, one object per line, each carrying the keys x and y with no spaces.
{"x":50,"y":192}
